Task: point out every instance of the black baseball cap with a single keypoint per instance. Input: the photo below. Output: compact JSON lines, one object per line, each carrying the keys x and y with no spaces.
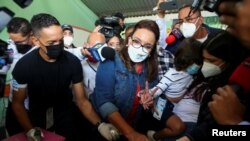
{"x":119,"y":15}
{"x":67,"y":27}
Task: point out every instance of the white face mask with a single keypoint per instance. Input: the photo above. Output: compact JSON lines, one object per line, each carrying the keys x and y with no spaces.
{"x":209,"y":69}
{"x":68,"y":40}
{"x":136,"y":54}
{"x":188,"y":29}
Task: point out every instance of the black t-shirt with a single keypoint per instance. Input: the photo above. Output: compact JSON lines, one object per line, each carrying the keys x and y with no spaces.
{"x":48,"y":82}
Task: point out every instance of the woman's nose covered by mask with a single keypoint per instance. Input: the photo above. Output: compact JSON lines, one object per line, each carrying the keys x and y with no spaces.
{"x":209,"y":69}
{"x":136,"y":54}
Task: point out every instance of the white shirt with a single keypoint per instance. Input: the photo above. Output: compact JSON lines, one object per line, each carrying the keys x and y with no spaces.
{"x":89,"y":75}
{"x":76,"y":51}
{"x":202,"y":40}
{"x":174,"y":83}
{"x":187,"y":108}
{"x":163,"y":33}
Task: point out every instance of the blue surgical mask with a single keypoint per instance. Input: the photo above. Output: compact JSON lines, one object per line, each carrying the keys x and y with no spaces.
{"x":136,"y":54}
{"x":193,"y":69}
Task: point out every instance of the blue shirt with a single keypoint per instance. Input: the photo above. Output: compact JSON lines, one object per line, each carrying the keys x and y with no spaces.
{"x":115,"y":88}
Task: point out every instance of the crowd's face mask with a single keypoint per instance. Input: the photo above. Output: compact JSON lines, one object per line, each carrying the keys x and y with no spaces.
{"x":193,"y":69}
{"x":54,"y":51}
{"x":23,"y":48}
{"x":136,"y":54}
{"x":209,"y":69}
{"x":68,"y":40}
{"x":188,"y":29}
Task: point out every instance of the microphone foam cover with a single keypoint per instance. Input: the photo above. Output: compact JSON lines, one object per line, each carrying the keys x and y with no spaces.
{"x":108,"y":53}
{"x":170,"y":39}
{"x":241,"y":75}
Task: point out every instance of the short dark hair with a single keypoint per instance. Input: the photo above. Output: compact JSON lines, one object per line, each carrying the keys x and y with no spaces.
{"x":67,"y":27}
{"x":189,"y":51}
{"x":197,"y":10}
{"x":118,"y":15}
{"x":225,"y":46}
{"x":42,"y":20}
{"x":19,"y":25}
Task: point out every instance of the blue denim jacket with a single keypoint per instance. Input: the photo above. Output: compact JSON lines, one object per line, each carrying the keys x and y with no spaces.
{"x":115,"y":88}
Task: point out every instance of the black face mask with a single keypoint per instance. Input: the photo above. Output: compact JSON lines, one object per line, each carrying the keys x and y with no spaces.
{"x":23,"y":48}
{"x":54,"y":51}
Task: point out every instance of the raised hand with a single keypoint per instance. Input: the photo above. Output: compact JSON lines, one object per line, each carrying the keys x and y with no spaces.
{"x":147,"y":96}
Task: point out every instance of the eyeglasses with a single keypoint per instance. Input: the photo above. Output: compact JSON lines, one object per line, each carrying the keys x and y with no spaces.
{"x":145,"y":48}
{"x":187,"y":19}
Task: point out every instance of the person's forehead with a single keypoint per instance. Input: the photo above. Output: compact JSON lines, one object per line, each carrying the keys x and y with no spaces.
{"x":209,"y":56}
{"x":16,"y":37}
{"x":145,"y":35}
{"x":183,"y":13}
{"x":67,"y":32}
{"x":114,"y":39}
{"x":96,"y":38}
{"x":51,"y":33}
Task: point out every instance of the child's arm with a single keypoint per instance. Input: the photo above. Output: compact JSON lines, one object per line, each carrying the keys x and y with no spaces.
{"x":157,"y":92}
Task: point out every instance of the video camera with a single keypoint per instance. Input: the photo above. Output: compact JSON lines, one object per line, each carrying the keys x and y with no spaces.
{"x":209,"y":5}
{"x":5,"y":59}
{"x":213,"y":5}
{"x":110,"y":26}
{"x":5,"y":54}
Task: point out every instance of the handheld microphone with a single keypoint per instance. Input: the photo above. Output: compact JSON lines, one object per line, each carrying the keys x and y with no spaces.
{"x":101,"y":52}
{"x":240,"y":79}
{"x":175,"y":34}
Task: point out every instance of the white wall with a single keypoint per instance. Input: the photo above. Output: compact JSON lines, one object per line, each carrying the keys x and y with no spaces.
{"x":80,"y":35}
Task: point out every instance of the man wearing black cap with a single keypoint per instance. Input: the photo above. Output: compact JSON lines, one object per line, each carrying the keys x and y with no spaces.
{"x":121,"y":19}
{"x":68,"y":36}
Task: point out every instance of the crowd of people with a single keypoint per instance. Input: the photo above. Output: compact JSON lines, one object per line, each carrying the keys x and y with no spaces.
{"x":148,"y":91}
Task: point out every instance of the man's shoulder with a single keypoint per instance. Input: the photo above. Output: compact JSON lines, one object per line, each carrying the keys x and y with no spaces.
{"x":26,"y":62}
{"x":212,"y":29}
{"x":29,"y":56}
{"x":69,"y":60}
{"x":69,"y":55}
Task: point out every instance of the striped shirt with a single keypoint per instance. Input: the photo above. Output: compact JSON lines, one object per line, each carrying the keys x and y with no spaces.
{"x":174,"y":83}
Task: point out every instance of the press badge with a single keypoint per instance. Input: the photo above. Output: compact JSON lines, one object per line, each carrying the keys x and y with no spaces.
{"x":159,"y":108}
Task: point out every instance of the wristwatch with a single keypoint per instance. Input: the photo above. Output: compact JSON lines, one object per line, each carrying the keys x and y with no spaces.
{"x":98,"y":124}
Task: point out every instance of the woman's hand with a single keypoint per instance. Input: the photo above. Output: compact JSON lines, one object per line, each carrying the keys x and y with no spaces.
{"x":147,"y":97}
